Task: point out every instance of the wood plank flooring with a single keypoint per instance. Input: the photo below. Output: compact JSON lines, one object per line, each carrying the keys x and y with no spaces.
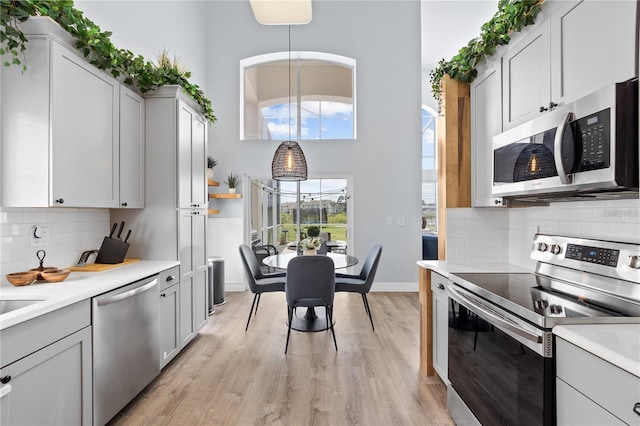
{"x":227,"y":376}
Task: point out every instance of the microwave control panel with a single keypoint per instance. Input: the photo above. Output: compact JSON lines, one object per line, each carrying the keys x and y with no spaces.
{"x":594,"y":135}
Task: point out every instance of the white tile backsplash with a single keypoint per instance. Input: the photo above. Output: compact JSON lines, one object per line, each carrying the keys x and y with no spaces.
{"x":71,"y":231}
{"x":505,"y":235}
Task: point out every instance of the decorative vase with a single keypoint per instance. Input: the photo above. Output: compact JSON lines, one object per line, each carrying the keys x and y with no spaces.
{"x":232,"y":190}
{"x":209,"y":173}
{"x":310,"y":252}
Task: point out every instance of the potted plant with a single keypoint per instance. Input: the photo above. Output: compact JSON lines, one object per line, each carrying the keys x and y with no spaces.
{"x":211,"y":163}
{"x":232,"y":182}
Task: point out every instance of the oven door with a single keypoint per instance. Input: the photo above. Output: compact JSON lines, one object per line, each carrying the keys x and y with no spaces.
{"x":501,"y":367}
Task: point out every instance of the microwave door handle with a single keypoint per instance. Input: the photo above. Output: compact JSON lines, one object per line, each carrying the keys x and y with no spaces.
{"x":557,"y":147}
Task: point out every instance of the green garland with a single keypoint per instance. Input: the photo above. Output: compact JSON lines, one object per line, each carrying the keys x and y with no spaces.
{"x":512,"y":15}
{"x":96,"y":46}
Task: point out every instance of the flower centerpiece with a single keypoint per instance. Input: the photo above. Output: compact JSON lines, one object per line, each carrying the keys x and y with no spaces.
{"x":310,"y":245}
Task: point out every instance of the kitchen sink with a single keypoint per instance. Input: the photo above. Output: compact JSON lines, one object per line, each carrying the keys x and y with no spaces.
{"x":9,"y":305}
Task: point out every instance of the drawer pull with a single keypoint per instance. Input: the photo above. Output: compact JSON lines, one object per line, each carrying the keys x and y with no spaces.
{"x":440,"y":286}
{"x":7,"y":379}
{"x":636,"y":408}
{"x":171,"y":278}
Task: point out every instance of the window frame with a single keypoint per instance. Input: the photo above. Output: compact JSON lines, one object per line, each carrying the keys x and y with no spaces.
{"x":296,"y":56}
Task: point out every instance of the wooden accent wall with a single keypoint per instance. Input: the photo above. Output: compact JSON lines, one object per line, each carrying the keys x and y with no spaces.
{"x":454,"y":190}
{"x":454,"y":153}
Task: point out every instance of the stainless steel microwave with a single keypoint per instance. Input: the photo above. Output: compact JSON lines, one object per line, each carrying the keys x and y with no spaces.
{"x":587,"y":149}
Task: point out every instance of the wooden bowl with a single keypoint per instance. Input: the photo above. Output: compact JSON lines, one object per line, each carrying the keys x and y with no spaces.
{"x":56,"y":275}
{"x":39,"y":271}
{"x":22,"y":278}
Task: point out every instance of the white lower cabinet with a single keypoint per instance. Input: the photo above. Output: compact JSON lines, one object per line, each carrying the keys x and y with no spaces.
{"x":169,"y":315}
{"x":440,"y":325}
{"x":47,"y":377}
{"x":592,"y":391}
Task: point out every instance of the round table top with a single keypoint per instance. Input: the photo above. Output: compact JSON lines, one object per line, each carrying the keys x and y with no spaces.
{"x":281,"y":261}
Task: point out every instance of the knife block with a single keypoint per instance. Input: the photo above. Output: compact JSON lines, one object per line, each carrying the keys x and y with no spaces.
{"x":112,"y":251}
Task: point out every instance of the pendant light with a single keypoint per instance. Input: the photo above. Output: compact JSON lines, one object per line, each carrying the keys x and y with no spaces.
{"x":288,"y":162}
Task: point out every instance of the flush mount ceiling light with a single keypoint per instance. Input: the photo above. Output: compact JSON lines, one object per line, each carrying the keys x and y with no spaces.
{"x":288,"y":161}
{"x":282,"y":12}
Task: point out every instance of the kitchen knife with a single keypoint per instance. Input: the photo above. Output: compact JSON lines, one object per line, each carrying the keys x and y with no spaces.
{"x":128,"y":235}
{"x":113,"y":229}
{"x":120,"y":230}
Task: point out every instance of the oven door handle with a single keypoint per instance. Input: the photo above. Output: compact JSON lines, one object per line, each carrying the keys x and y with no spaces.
{"x":492,"y":317}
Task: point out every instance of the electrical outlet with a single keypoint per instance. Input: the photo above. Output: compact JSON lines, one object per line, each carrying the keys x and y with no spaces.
{"x":38,"y":236}
{"x":390,"y":221}
{"x":400,"y":221}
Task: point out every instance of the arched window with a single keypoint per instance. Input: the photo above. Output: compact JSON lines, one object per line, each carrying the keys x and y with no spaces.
{"x":313,"y":99}
{"x":429,"y":170}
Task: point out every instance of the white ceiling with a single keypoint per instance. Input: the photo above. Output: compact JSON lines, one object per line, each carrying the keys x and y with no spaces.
{"x":448,"y":25}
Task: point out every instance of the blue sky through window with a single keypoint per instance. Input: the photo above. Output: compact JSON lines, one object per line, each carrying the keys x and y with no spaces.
{"x":320,"y":120}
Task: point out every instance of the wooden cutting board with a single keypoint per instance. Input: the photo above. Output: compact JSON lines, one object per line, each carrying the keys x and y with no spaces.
{"x":98,"y":267}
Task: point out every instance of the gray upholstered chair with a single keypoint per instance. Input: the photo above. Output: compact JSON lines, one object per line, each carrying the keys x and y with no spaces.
{"x":362,"y":282}
{"x":310,"y":282}
{"x":262,"y":251}
{"x":258,"y":281}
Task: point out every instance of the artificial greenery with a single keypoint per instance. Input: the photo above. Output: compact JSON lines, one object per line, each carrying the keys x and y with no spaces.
{"x":95,"y":45}
{"x":233,"y":180}
{"x":211,"y":162}
{"x":512,"y":15}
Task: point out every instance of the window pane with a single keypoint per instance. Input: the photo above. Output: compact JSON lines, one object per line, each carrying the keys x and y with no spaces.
{"x":325,"y":93}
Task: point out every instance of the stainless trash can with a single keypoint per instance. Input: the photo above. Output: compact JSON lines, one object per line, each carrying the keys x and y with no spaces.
{"x":216,"y":281}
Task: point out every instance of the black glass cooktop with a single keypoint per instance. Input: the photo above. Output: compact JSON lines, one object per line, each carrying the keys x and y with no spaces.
{"x":531,"y":296}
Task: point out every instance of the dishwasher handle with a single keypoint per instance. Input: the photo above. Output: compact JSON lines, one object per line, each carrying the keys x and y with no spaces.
{"x":128,"y":294}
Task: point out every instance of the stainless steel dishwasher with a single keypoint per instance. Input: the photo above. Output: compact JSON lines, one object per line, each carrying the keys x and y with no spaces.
{"x":126,"y":345}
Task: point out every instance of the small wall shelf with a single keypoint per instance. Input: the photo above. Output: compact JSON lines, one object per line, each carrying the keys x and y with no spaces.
{"x":225,"y":196}
{"x":212,"y":196}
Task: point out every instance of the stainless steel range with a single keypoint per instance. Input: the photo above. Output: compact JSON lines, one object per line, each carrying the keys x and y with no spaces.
{"x":501,"y":346}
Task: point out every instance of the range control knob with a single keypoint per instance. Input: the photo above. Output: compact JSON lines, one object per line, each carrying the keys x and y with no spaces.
{"x":555,"y":309}
{"x":634,"y":261}
{"x":542,"y":247}
{"x":556,"y":249}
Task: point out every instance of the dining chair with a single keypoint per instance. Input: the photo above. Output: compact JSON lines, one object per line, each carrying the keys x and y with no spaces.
{"x":310,"y":282}
{"x":262,"y":251}
{"x":361,"y":283}
{"x":259,"y":282}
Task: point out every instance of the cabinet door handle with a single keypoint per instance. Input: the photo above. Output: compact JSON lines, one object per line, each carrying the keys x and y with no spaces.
{"x":60,"y":201}
{"x":5,"y":390}
{"x":543,"y":109}
{"x":124,"y":204}
{"x":636,"y":408}
{"x":440,"y":286}
{"x":552,"y":105}
{"x":163,"y":295}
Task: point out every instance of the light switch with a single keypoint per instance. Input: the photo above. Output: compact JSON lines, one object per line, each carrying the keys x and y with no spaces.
{"x":400,"y":221}
{"x":390,"y":221}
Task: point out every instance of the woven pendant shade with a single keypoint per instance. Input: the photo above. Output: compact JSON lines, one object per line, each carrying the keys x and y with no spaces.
{"x":289,"y":162}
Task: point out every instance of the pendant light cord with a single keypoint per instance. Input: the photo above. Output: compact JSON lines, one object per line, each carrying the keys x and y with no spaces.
{"x":289,"y":85}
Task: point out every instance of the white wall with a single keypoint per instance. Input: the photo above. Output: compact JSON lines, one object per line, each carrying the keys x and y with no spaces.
{"x":384,"y":38}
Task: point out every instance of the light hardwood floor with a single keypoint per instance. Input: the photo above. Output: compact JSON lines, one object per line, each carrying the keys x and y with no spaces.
{"x":227,"y":376}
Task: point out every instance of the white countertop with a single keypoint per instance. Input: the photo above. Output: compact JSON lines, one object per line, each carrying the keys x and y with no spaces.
{"x":77,"y":287}
{"x":618,"y":344}
{"x":445,"y":269}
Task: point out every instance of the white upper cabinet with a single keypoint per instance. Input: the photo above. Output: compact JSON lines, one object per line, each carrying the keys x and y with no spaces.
{"x":594,"y":44}
{"x":60,"y":132}
{"x":486,"y":122}
{"x":131,"y":149}
{"x":527,"y":76}
{"x":576,"y":48}
{"x":192,"y":158}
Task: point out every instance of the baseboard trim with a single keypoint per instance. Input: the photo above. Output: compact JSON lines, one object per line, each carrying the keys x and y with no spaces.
{"x":377,"y":286}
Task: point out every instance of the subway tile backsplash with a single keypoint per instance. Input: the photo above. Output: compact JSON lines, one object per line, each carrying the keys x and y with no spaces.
{"x":505,"y":235}
{"x":71,"y":231}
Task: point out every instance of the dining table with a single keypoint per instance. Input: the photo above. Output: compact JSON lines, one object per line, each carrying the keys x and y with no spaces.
{"x":314,"y":318}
